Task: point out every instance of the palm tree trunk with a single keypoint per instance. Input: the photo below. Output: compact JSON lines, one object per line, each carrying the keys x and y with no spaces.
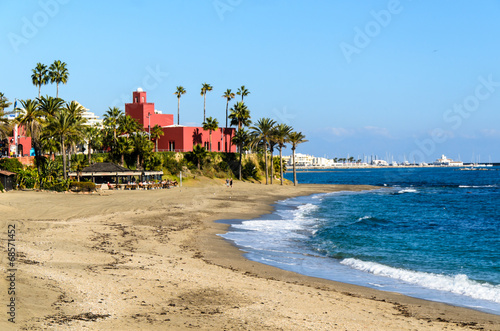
{"x":210,"y":134}
{"x":281,"y":166}
{"x":240,"y":161}
{"x":204,"y":104}
{"x":64,"y":157}
{"x":294,"y":173}
{"x":89,"y":153}
{"x":178,"y":107}
{"x":57,"y":91}
{"x":265,"y":159}
{"x":272,"y":166}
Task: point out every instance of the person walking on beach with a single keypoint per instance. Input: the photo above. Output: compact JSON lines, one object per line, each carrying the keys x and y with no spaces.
{"x":227,"y":182}
{"x":231,"y":182}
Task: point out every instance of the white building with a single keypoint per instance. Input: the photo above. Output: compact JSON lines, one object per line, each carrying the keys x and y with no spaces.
{"x":444,"y":161}
{"x":92,"y":119}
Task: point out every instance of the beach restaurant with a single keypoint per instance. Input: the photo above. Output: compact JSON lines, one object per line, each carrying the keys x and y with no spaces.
{"x":106,"y":172}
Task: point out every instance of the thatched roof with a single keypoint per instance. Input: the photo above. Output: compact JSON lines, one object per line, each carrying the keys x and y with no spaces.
{"x":105,"y":167}
{"x":6,"y":173}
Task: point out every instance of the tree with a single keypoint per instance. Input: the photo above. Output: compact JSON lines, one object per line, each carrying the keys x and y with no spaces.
{"x":93,"y":136}
{"x":228,"y":95}
{"x":50,"y":105}
{"x":40,"y":76}
{"x":180,"y":91}
{"x":240,"y":115}
{"x":128,"y":125}
{"x":58,"y":74}
{"x":204,"y":89}
{"x":5,"y":126}
{"x":240,"y":139}
{"x":243,"y":92}
{"x":32,"y":118}
{"x":123,"y":146}
{"x":76,"y":111}
{"x":211,"y":124}
{"x":111,"y":119}
{"x":295,"y":138}
{"x":156,"y":133}
{"x":262,"y":132}
{"x":199,"y":154}
{"x":62,"y":125}
{"x":280,"y":136}
{"x":143,"y":147}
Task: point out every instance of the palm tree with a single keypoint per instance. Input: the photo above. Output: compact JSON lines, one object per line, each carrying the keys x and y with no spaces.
{"x":243,"y":92}
{"x":123,"y":146}
{"x":92,"y":134}
{"x":240,"y":138}
{"x":76,"y":111}
{"x":262,"y":132}
{"x":111,"y":119}
{"x":40,"y":76}
{"x":32,"y":118}
{"x":211,"y":124}
{"x":156,"y":133}
{"x":128,"y":125}
{"x":199,"y":154}
{"x":228,"y":95}
{"x":50,"y":105}
{"x":58,"y":74}
{"x":180,"y":91}
{"x":295,"y":138}
{"x":63,"y":124}
{"x":204,"y":89}
{"x":143,"y":147}
{"x":240,"y":115}
{"x":5,"y":126}
{"x":280,"y":135}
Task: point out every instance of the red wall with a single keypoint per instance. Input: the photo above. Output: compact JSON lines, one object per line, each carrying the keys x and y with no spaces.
{"x":185,"y":137}
{"x":139,"y":109}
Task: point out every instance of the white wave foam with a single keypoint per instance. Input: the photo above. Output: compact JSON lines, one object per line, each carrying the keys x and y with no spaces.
{"x":459,"y":284}
{"x":476,"y":186}
{"x":408,"y":190}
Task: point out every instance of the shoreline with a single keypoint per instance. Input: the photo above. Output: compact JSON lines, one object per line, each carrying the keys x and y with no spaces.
{"x":205,"y":280}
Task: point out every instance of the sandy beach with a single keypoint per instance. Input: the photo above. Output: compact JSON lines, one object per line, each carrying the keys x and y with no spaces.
{"x":151,"y":260}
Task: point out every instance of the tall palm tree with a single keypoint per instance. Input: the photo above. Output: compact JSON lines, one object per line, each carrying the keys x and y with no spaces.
{"x":92,"y":135}
{"x":204,"y":89}
{"x":180,"y":91}
{"x":228,"y":95}
{"x":76,"y":110}
{"x":210,"y":124}
{"x":111,"y":119}
{"x":240,"y":115}
{"x":243,"y":92}
{"x":280,"y":136}
{"x":143,"y":147}
{"x":58,"y":74}
{"x":156,"y":133}
{"x":5,"y":125}
{"x":63,"y":125}
{"x":240,"y":139}
{"x":262,"y":133}
{"x":32,"y":118}
{"x":295,"y":138}
{"x":40,"y":76}
{"x":50,"y":105}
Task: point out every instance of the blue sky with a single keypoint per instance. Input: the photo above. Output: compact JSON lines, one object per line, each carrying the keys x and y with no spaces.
{"x":397,"y":79}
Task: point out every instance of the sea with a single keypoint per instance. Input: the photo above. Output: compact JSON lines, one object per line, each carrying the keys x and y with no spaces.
{"x":429,"y":233}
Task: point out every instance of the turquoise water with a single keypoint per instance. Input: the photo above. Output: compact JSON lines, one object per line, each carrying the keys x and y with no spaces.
{"x":431,"y":233}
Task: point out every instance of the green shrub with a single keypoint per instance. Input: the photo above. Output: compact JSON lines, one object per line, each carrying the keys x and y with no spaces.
{"x":82,"y":186}
{"x":12,"y":165}
{"x":1,"y":187}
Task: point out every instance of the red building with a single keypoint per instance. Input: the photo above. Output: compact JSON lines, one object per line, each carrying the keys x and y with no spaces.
{"x":177,"y":138}
{"x":19,"y":144}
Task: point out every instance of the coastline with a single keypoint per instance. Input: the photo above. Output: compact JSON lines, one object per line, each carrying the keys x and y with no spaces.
{"x":170,"y":270}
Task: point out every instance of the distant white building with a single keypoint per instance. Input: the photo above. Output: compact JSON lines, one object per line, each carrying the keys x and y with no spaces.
{"x":444,"y":161}
{"x":380,"y":163}
{"x":92,"y":118}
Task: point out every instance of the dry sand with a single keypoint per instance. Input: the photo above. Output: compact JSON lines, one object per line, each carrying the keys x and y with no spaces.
{"x":150,"y":260}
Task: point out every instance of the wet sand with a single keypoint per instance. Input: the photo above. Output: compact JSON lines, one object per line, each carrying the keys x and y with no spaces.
{"x":151,"y":260}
